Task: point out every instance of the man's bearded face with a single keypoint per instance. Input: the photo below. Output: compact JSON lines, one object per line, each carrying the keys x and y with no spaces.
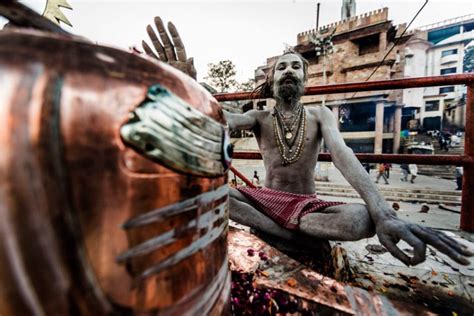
{"x":288,"y":78}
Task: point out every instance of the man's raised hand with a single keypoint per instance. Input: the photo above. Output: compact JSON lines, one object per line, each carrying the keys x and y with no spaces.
{"x":391,"y":230}
{"x":170,"y":50}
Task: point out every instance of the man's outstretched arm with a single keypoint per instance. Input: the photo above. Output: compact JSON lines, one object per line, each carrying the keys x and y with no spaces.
{"x":390,"y":229}
{"x":245,"y":121}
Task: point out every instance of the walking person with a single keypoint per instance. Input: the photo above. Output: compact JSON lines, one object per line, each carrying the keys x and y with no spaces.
{"x":405,"y":172}
{"x":381,"y":173}
{"x":413,"y":171}
{"x":459,"y":174}
{"x":387,"y":167}
{"x":256,"y":179}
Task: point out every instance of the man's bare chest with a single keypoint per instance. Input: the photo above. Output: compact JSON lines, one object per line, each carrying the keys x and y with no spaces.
{"x":270,"y":134}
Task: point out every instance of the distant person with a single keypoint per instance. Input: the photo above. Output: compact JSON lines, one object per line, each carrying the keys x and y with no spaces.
{"x":454,"y":140}
{"x":381,"y":173}
{"x":459,"y":174}
{"x":366,"y":166}
{"x":387,"y":167}
{"x":405,"y":172}
{"x":256,"y":179}
{"x":444,"y":141}
{"x":413,"y":171}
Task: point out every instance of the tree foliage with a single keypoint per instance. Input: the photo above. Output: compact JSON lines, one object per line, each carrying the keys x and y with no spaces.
{"x":249,"y":85}
{"x":222,"y":75}
{"x":468,"y":62}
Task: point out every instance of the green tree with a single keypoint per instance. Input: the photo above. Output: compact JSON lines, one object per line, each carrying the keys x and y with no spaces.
{"x":468,"y":62}
{"x":249,"y":85}
{"x":221,"y":75}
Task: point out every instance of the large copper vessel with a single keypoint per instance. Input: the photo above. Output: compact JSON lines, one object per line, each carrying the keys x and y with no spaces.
{"x":88,"y":224}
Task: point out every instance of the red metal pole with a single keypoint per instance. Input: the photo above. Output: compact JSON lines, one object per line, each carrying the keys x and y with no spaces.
{"x":377,"y":158}
{"x":241,"y":176}
{"x":367,"y":86}
{"x":467,"y":206}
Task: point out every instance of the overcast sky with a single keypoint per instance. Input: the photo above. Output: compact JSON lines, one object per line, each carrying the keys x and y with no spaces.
{"x":246,"y":32}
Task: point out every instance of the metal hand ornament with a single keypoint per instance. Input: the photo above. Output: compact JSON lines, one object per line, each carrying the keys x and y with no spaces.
{"x":170,"y":50}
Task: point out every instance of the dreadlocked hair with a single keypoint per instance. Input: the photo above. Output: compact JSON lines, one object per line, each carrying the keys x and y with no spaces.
{"x":265,"y":89}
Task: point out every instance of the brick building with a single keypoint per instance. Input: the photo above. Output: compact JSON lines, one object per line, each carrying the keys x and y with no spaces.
{"x":370,"y":121}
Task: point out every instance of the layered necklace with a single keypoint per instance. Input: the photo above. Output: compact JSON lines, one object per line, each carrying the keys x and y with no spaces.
{"x":286,"y":135}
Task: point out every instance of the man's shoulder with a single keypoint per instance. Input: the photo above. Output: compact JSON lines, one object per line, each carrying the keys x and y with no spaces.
{"x":259,"y":114}
{"x":321,"y":113}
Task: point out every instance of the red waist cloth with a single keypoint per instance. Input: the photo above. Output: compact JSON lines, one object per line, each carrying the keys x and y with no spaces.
{"x":284,"y":208}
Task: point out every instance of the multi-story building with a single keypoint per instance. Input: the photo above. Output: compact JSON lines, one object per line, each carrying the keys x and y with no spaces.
{"x":370,"y":121}
{"x":437,"y":49}
{"x":444,"y":107}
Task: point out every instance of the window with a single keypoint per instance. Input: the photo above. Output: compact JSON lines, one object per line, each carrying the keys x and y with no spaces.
{"x":368,"y":44}
{"x":446,"y":90}
{"x":446,"y":71}
{"x":449,"y":52}
{"x":431,"y":106}
{"x":311,"y":56}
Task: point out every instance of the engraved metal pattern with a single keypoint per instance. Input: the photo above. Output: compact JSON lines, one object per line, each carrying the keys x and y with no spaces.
{"x":177,"y":208}
{"x":168,"y":130}
{"x":213,"y":220}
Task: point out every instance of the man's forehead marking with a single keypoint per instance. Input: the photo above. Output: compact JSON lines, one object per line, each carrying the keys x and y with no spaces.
{"x":289,"y":58}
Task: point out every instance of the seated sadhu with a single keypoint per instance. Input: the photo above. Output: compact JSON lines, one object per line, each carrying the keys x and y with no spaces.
{"x":289,"y":137}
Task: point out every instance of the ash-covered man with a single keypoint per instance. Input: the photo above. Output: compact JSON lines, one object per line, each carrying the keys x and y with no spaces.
{"x":289,"y":137}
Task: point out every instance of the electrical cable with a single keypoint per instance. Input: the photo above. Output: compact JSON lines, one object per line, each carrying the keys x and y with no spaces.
{"x":395,"y":43}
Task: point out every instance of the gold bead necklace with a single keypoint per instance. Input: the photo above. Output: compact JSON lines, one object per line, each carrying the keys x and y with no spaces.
{"x":283,"y":146}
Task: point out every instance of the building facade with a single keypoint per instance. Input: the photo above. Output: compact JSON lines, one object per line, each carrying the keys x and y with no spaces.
{"x":444,"y":107}
{"x":370,"y":121}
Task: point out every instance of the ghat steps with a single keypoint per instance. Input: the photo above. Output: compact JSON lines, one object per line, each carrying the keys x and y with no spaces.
{"x":445,"y":172}
{"x":417,"y":195}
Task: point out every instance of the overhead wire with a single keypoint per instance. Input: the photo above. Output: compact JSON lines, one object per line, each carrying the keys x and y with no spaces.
{"x":395,"y":43}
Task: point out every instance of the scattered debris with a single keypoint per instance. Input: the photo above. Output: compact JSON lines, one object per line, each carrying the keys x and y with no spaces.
{"x":291,"y":282}
{"x":424,"y":208}
{"x":396,"y":206}
{"x":342,"y":269}
{"x":248,"y":299}
{"x":376,"y":249}
{"x":449,"y":208}
{"x":282,"y":285}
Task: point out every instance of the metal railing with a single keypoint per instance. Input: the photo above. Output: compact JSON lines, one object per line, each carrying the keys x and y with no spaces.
{"x":466,"y":160}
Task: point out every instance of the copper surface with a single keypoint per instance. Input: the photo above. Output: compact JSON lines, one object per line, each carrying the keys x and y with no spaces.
{"x":169,"y":131}
{"x":68,"y":184}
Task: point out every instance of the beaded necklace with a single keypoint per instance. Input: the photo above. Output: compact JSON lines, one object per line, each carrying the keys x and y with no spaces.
{"x":284,"y":147}
{"x":288,"y":129}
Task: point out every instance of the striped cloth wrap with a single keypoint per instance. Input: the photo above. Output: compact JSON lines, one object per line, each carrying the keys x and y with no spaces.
{"x":283,"y":207}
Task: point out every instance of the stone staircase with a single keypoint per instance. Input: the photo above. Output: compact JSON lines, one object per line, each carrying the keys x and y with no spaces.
{"x":429,"y":196}
{"x":445,"y":172}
